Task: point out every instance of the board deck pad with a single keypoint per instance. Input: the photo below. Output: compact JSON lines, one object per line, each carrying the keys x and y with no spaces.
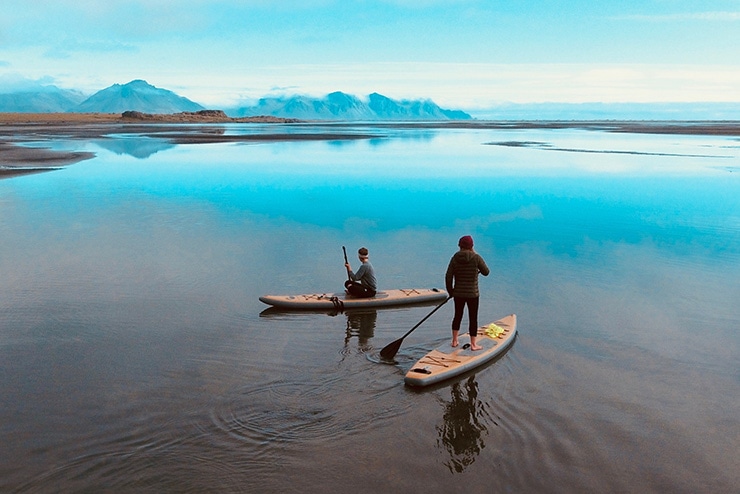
{"x":445,"y":362}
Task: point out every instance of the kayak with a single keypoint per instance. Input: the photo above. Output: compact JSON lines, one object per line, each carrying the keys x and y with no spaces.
{"x":445,"y":361}
{"x":341,"y":301}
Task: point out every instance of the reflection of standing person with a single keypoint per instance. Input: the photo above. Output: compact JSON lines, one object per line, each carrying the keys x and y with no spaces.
{"x":462,"y":432}
{"x":361,"y":284}
{"x":361,"y":323}
{"x":461,"y":280}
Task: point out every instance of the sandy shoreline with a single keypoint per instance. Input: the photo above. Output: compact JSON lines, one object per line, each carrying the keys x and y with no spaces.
{"x":183,"y":128}
{"x":206,"y":116}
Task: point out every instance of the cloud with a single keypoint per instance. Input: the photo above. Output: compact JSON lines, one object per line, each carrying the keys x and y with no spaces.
{"x":283,"y":88}
{"x":11,"y":83}
{"x":415,"y":4}
{"x":69,"y":46}
{"x":689,"y":16}
{"x":42,"y":22}
{"x":478,"y":85}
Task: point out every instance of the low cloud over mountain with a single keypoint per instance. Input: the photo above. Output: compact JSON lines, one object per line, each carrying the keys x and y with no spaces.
{"x":58,"y":101}
{"x":342,"y":106}
{"x":21,"y":95}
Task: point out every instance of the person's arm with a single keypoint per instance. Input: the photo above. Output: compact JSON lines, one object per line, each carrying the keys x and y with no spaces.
{"x":448,"y":278}
{"x":360,"y":273}
{"x":482,"y":266}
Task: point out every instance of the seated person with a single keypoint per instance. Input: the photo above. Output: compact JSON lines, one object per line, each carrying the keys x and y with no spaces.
{"x":361,"y":284}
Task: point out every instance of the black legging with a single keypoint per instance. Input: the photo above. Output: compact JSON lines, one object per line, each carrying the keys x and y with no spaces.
{"x":472,"y":314}
{"x":358,"y":289}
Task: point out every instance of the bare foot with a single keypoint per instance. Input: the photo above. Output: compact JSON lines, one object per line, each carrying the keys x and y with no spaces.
{"x":454,"y":344}
{"x":475,"y":347}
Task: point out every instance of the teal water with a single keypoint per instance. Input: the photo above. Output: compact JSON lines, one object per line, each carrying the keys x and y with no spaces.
{"x":137,"y":357}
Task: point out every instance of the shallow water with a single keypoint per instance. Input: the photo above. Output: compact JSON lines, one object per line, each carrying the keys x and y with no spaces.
{"x":137,"y":357}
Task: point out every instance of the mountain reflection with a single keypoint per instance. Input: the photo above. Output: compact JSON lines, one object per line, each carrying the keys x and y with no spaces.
{"x":463,"y":431}
{"x":138,"y":147}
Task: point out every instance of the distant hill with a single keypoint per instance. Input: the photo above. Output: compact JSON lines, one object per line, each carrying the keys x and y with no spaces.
{"x":342,"y":106}
{"x":137,"y":95}
{"x":49,"y":99}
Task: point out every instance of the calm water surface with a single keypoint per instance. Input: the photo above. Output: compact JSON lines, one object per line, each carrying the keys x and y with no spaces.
{"x":136,"y":357}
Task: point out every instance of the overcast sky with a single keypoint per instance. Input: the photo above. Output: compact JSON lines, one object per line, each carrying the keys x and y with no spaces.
{"x":463,"y":54}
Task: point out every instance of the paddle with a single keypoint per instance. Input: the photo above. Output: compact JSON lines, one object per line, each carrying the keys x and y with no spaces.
{"x":390,"y":350}
{"x":346,"y":262}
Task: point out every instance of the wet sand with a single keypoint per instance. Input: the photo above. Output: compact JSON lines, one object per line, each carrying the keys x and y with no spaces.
{"x":184,"y":128}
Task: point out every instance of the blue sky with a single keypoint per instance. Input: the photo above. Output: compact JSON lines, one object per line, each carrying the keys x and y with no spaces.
{"x":463,"y":54}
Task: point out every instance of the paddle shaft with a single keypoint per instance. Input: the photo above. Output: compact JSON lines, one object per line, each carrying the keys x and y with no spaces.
{"x":346,"y":262}
{"x":389,"y":351}
{"x":425,"y":318}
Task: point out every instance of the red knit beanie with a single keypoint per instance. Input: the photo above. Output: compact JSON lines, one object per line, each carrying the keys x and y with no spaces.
{"x":466,"y":242}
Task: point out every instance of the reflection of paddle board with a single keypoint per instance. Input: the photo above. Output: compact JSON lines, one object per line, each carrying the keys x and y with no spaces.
{"x":341,"y":301}
{"x":445,"y":362}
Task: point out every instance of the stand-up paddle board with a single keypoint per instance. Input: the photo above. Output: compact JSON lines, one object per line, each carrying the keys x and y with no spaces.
{"x":445,"y":361}
{"x":341,"y":301}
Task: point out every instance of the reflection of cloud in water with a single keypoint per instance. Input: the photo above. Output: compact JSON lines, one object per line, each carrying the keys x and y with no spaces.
{"x":731,"y":169}
{"x":341,"y":143}
{"x":138,"y":147}
{"x":356,"y":223}
{"x":548,"y":147}
{"x":531,"y":212}
{"x":464,"y":426}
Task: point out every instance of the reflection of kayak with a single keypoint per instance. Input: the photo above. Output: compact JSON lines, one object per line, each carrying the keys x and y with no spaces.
{"x":445,"y":362}
{"x":384,"y":298}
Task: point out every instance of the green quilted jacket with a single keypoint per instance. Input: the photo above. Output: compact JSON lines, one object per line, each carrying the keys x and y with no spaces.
{"x":461,"y":278}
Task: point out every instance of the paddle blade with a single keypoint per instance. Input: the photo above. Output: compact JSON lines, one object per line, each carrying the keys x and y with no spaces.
{"x":390,"y":350}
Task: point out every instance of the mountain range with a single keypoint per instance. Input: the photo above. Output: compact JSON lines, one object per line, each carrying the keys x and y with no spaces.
{"x":342,"y":106}
{"x":138,"y":95}
{"x":48,"y":99}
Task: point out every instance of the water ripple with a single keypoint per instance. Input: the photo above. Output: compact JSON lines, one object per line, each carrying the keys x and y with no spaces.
{"x":281,"y":413}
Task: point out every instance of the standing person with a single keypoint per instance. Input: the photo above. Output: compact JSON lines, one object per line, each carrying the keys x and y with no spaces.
{"x":461,"y":280}
{"x":361,"y":284}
